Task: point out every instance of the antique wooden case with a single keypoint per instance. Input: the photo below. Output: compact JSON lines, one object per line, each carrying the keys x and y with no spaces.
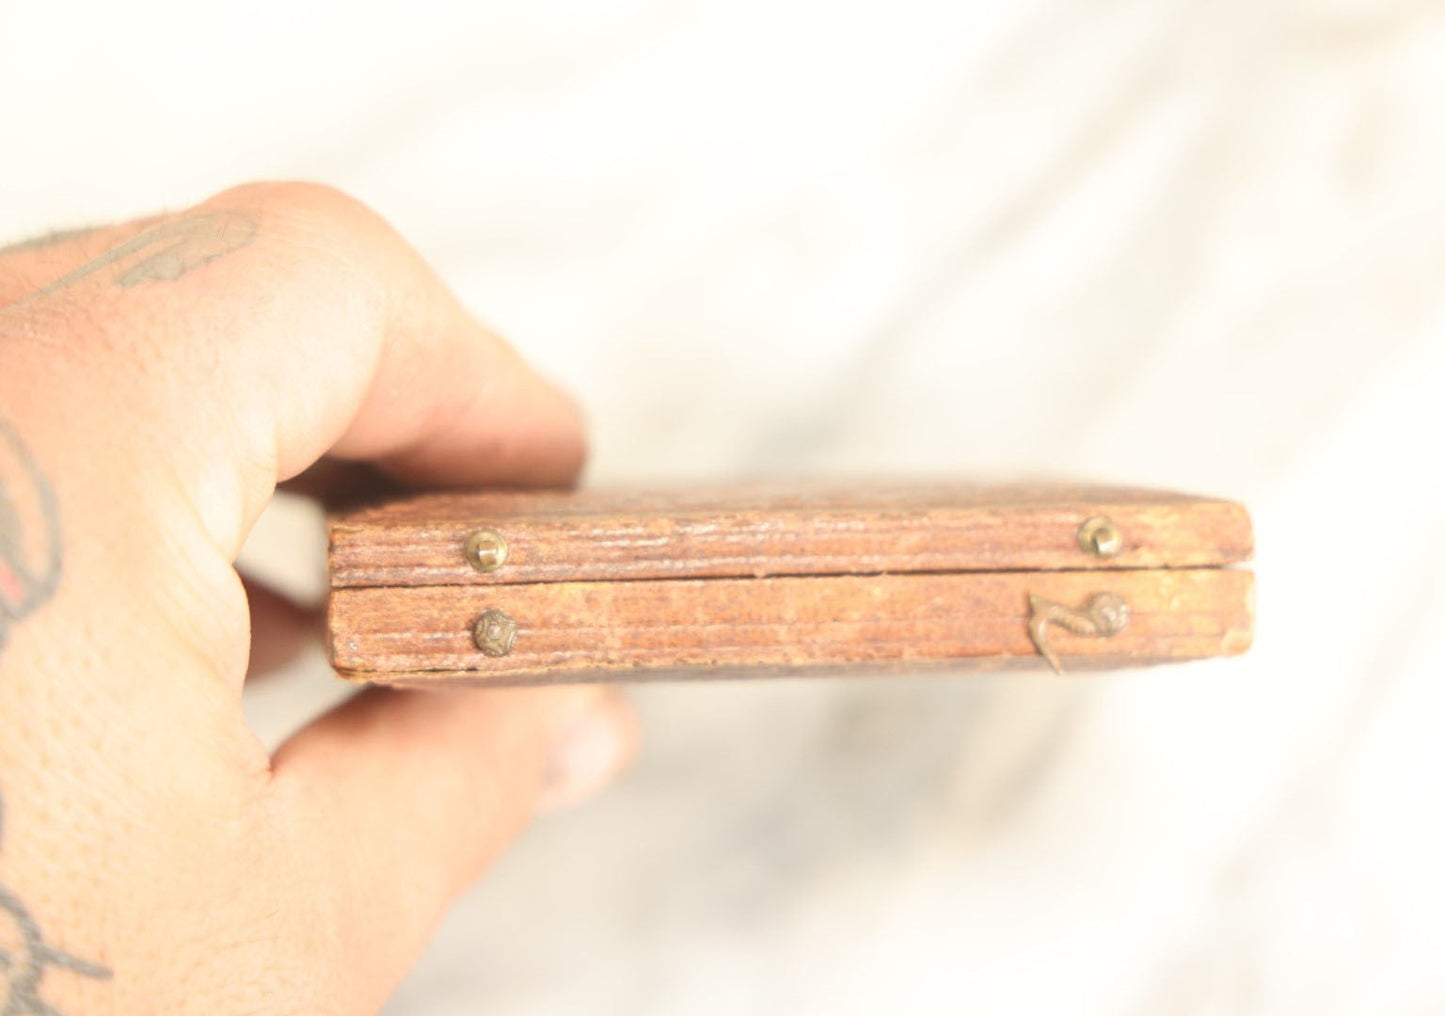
{"x":524,"y":588}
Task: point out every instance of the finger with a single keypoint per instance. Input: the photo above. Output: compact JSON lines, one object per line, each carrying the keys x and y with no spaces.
{"x":276,"y":322}
{"x":412,"y":794}
{"x":280,"y":628}
{"x":31,"y":263}
{"x":338,"y":484}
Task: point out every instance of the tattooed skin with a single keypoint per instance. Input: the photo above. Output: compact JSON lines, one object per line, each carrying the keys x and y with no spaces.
{"x":25,"y":956}
{"x":31,"y":555}
{"x":30,"y":546}
{"x":30,"y":563}
{"x":168,"y":251}
{"x":45,"y":240}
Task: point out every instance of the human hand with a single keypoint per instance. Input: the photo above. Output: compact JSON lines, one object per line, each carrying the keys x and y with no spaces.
{"x":157,"y":380}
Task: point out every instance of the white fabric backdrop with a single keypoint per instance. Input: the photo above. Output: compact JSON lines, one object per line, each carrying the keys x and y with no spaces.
{"x":1178,"y":243}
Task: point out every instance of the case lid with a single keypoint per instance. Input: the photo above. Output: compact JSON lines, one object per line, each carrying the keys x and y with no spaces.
{"x":773,"y":530}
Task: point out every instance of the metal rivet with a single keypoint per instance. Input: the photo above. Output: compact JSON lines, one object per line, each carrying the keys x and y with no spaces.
{"x":494,"y":633}
{"x":486,"y":550}
{"x":1100,"y":536}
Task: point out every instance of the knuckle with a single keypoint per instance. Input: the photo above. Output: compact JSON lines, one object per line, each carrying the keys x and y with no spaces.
{"x":315,"y":215}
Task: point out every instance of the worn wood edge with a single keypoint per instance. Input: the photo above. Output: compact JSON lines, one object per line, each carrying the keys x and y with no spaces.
{"x":1225,"y":596}
{"x":1075,"y":668}
{"x":1172,"y":532}
{"x":678,"y":499}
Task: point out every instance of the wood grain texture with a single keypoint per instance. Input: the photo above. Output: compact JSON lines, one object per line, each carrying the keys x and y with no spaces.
{"x":774,"y":531}
{"x":617,"y":631}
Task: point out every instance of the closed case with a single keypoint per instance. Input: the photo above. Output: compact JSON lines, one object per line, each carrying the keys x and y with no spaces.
{"x":506,"y":588}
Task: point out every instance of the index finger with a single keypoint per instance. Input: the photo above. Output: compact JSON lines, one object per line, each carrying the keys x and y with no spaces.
{"x":275,"y":323}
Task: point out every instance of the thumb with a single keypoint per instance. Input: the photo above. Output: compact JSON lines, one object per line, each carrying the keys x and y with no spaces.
{"x":410,"y":795}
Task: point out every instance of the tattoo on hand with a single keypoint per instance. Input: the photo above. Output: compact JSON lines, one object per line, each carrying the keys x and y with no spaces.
{"x":25,"y":956}
{"x":30,"y":542}
{"x":44,"y":240}
{"x":30,"y":565}
{"x":169,"y":250}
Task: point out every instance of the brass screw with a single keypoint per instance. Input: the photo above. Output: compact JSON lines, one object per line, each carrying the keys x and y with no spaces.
{"x":1109,"y":613}
{"x":1100,"y":536}
{"x":486,"y":550}
{"x":494,"y":633}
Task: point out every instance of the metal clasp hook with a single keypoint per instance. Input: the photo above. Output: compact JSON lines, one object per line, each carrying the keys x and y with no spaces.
{"x":1104,"y":616}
